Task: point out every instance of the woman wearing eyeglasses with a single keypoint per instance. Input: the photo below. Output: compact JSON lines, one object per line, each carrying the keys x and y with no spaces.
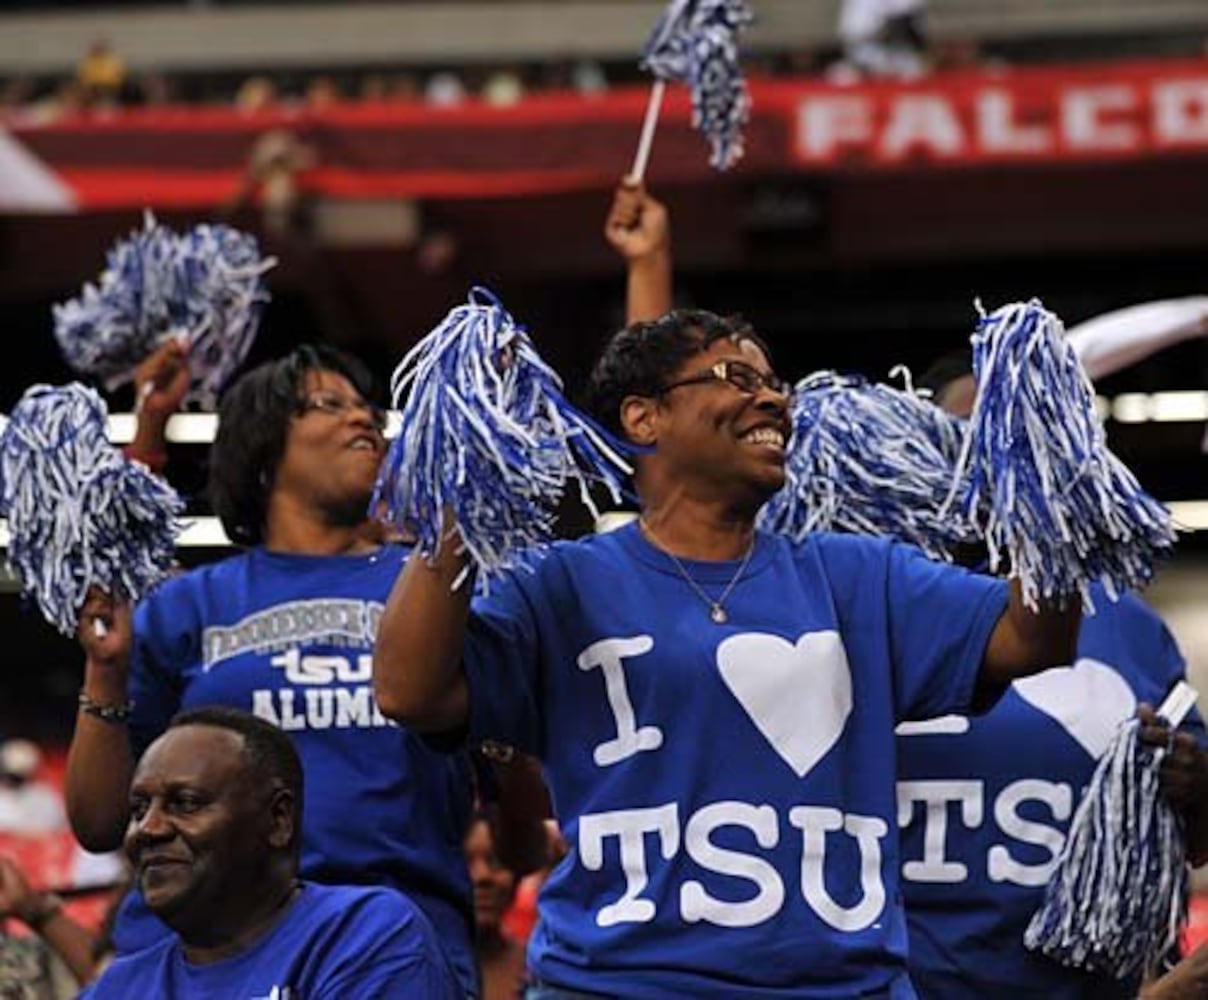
{"x":285,"y":630}
{"x":714,"y":707}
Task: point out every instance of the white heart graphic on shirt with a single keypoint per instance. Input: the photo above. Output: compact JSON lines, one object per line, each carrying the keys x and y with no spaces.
{"x":798,"y":696}
{"x":1088,"y":700}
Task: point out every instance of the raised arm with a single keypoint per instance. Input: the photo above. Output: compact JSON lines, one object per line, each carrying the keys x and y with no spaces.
{"x":417,"y":673}
{"x":1027,"y":642}
{"x":42,"y":913}
{"x":160,"y":383}
{"x":100,"y":762}
{"x":639,"y":229}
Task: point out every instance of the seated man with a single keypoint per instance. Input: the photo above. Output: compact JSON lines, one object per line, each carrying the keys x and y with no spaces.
{"x":215,"y":814}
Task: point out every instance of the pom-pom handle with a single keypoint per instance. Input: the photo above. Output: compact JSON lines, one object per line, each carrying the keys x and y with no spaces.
{"x":1178,"y":703}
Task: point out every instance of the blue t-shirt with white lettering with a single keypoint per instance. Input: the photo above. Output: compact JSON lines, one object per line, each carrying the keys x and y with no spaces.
{"x":290,"y":639}
{"x":986,"y":802}
{"x":726,"y":789}
{"x":333,"y":943}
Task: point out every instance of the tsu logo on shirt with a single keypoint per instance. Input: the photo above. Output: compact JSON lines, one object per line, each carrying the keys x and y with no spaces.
{"x":329,"y":690}
{"x":766,"y":675}
{"x":1088,"y":702}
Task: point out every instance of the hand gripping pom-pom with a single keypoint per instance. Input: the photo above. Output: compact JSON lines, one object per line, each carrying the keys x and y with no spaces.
{"x":487,"y":433}
{"x":1117,"y":899}
{"x":695,"y":42}
{"x":868,"y":459}
{"x":80,"y":514}
{"x":1035,"y":474}
{"x":205,"y":286}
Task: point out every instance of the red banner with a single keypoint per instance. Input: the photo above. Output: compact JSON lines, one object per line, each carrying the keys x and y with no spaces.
{"x":195,"y":157}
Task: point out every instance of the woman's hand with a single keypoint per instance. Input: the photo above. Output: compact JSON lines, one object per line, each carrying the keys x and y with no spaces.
{"x":105,"y":634}
{"x":638,"y":225}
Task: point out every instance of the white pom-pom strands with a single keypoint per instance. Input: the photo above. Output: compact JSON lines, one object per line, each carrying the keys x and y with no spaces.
{"x":695,"y":42}
{"x":487,"y":434}
{"x":80,"y":514}
{"x":868,"y":459}
{"x":204,"y":286}
{"x":1117,"y":899}
{"x":1035,"y":475}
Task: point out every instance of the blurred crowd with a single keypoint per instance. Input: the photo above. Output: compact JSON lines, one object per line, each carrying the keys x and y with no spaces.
{"x":104,"y":83}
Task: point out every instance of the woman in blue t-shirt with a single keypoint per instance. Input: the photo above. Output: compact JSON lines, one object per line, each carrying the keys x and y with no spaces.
{"x":986,"y":803}
{"x":285,"y":630}
{"x":714,"y":706}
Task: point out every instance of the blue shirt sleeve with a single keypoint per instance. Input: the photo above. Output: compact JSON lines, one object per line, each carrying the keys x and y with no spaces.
{"x":502,"y":662}
{"x":167,"y":637}
{"x":937,"y":619}
{"x":387,"y":949}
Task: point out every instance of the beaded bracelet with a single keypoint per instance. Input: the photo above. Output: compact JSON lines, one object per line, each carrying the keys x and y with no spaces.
{"x":115,"y":714}
{"x":500,"y":753}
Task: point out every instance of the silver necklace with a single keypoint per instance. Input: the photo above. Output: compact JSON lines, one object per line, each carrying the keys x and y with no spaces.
{"x":717,"y":610}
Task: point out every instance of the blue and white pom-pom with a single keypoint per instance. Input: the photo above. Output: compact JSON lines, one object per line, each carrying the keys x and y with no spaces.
{"x":1036,"y":476}
{"x":204,"y":286}
{"x":1117,"y":900}
{"x":80,"y":514}
{"x":695,"y":42}
{"x":871,"y":460}
{"x":487,"y":432}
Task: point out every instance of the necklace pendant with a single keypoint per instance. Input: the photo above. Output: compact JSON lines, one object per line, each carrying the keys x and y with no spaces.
{"x":718,"y":614}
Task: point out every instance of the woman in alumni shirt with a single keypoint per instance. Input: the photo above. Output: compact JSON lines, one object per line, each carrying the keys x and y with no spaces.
{"x":285,"y":630}
{"x":714,"y":706}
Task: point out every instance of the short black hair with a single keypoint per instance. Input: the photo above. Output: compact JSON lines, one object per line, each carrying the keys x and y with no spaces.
{"x":253,"y":421}
{"x":640,"y":359}
{"x":945,"y":370}
{"x":270,"y":753}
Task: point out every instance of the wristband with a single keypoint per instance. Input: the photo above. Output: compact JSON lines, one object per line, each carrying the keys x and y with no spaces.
{"x":115,"y":714}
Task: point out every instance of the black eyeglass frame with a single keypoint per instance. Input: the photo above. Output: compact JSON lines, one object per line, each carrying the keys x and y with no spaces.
{"x":336,"y":406}
{"x":724,"y":371}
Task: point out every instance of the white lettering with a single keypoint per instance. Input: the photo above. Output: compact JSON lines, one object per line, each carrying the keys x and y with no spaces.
{"x":319,"y":708}
{"x":353,"y":708}
{"x":1083,"y":114}
{"x":827,"y":124}
{"x":1001,"y":131}
{"x":346,"y":673}
{"x":262,"y":707}
{"x":935,"y":797}
{"x":695,"y":903}
{"x":815,"y":823}
{"x":291,"y":721}
{"x":1181,"y":112}
{"x":630,"y":827}
{"x":305,"y":670}
{"x":925,"y":121}
{"x":1003,"y":867}
{"x":944,"y":725}
{"x":609,"y":655}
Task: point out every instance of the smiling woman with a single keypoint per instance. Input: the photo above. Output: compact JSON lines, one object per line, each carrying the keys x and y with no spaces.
{"x":714,"y":706}
{"x":284,"y":630}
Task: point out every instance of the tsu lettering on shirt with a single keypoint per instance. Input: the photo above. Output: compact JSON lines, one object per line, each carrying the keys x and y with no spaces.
{"x":985,"y":804}
{"x":727,"y":789}
{"x":334,"y":943}
{"x":290,"y":639}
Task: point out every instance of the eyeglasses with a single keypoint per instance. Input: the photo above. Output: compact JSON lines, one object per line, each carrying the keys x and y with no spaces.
{"x":338,"y":406}
{"x":739,"y":374}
